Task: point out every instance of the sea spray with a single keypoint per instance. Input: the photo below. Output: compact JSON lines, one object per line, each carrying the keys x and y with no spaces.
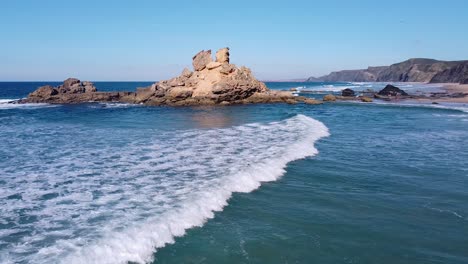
{"x":104,"y":200}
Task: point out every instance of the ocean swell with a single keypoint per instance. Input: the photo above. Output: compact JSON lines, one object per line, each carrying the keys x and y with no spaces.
{"x":104,"y":200}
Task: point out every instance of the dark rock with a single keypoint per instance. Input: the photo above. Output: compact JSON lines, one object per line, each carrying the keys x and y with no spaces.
{"x":347,"y":92}
{"x":391,"y":90}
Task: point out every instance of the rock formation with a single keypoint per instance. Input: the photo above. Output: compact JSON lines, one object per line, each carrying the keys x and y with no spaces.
{"x":211,"y":82}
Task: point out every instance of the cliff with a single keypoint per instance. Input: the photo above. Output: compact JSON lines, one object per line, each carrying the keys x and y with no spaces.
{"x":413,"y":70}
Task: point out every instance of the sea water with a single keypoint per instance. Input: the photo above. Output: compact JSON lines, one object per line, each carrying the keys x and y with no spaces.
{"x":273,"y":183}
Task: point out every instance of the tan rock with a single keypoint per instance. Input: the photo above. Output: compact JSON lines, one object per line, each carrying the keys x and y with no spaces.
{"x":329,"y":98}
{"x":222,"y":55}
{"x":179,"y":92}
{"x":311,"y":101}
{"x":227,"y":68}
{"x":186,"y":73}
{"x":201,"y":60}
{"x":213,"y":65}
{"x":366,"y":99}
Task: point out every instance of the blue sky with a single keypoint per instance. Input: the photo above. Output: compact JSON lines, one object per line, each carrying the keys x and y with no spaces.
{"x":153,"y":40}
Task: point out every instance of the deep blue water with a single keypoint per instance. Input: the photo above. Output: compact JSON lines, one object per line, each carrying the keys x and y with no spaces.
{"x":332,"y":183}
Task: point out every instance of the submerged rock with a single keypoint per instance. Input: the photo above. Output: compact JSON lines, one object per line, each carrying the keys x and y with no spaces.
{"x":391,"y":90}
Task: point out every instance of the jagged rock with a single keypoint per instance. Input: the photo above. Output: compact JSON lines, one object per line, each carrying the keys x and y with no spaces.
{"x":329,"y":98}
{"x":391,"y":90}
{"x":366,"y":99}
{"x":227,"y":69}
{"x":44,"y":92}
{"x":201,"y":60}
{"x":70,"y":82}
{"x":222,"y":55}
{"x":186,"y":73}
{"x":347,"y":92}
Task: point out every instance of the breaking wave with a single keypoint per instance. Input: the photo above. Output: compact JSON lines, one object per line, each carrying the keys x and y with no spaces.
{"x":87,"y":196}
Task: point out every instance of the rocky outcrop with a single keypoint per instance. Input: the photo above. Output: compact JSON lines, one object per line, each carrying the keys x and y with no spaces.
{"x":391,"y":90}
{"x":413,"y":70}
{"x":70,"y":89}
{"x":211,"y":82}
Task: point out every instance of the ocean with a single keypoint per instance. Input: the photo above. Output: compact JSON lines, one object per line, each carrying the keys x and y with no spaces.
{"x":274,"y":183}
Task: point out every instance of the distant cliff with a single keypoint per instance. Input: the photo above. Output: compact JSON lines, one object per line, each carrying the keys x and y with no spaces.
{"x":413,"y":70}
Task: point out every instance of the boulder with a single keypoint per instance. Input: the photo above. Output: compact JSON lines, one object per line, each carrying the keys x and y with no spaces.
{"x":44,"y":92}
{"x":222,"y":55}
{"x":391,"y":90}
{"x":329,"y":98}
{"x":70,"y":82}
{"x":347,"y":93}
{"x":201,"y":59}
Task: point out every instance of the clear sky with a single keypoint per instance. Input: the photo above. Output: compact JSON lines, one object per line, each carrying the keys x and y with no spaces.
{"x":153,"y":40}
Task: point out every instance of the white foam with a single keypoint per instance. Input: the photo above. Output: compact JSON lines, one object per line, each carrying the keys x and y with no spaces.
{"x":106,"y":197}
{"x":8,"y":104}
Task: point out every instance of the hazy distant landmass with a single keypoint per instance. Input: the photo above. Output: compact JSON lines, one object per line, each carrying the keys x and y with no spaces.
{"x":412,"y":70}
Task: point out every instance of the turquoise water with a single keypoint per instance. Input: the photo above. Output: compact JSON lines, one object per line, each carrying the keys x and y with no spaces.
{"x":333,"y":183}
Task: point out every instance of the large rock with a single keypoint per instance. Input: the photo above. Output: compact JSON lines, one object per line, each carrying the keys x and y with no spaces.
{"x":201,"y":60}
{"x":391,"y":90}
{"x":222,"y":55}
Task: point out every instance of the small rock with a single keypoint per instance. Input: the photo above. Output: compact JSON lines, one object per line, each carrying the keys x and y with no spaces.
{"x":366,"y":99}
{"x":311,"y":101}
{"x":347,"y":92}
{"x":187,"y":73}
{"x":329,"y":98}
